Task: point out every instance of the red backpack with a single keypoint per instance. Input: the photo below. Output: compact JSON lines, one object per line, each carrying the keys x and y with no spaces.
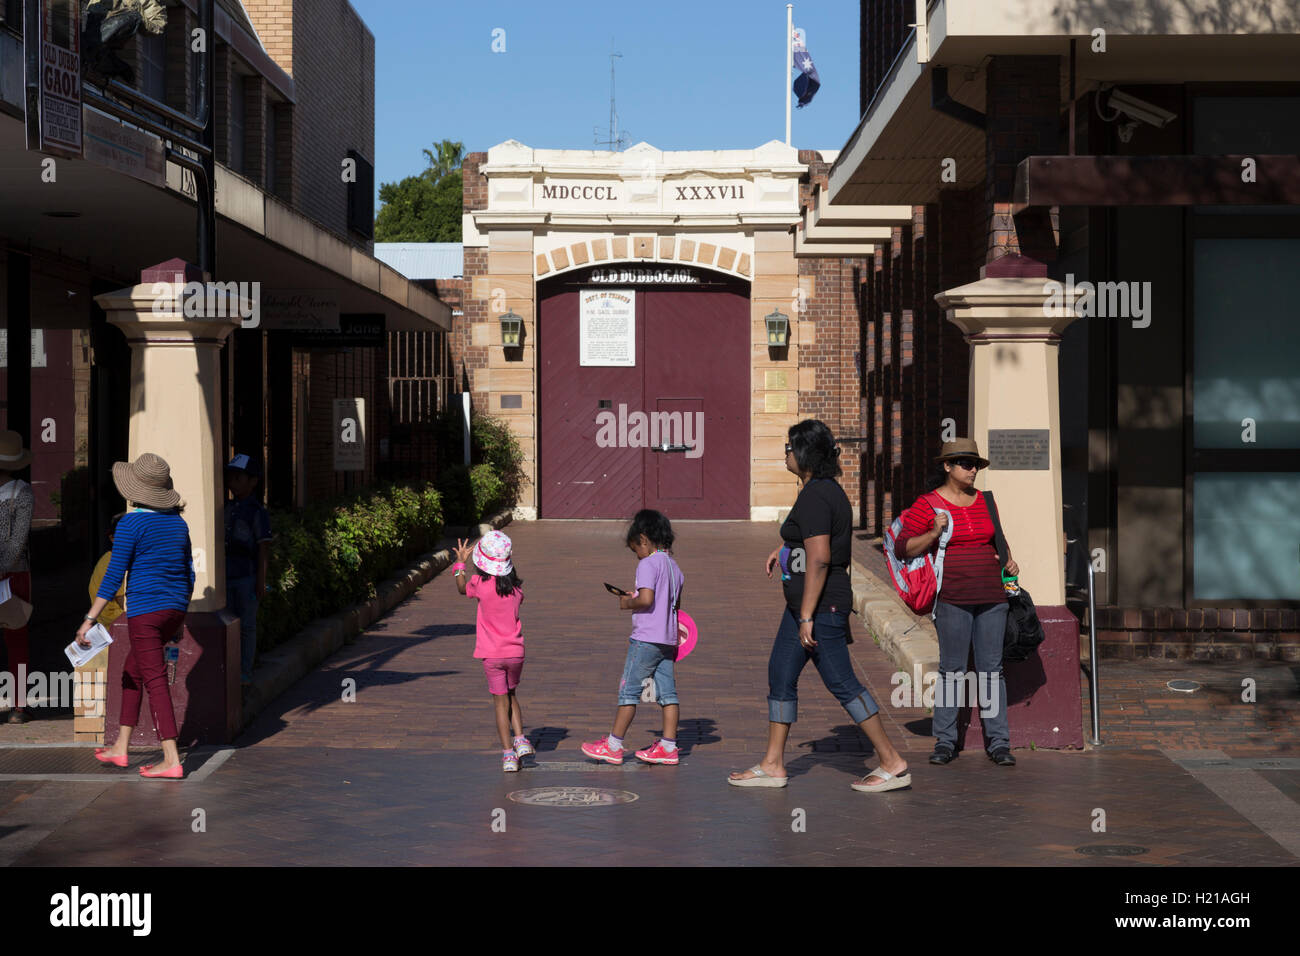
{"x":918,"y":580}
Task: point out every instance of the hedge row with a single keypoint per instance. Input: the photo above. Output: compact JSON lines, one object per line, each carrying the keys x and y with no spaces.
{"x":327,"y":556}
{"x":331,"y":554}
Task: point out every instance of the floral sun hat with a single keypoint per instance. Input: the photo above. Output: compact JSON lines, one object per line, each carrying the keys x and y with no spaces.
{"x":492,"y":553}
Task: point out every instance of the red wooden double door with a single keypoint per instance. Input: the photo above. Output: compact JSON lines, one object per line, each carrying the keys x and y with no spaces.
{"x":689,"y":390}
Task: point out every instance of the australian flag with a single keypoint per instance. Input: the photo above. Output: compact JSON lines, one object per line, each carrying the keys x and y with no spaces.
{"x":807,"y":83}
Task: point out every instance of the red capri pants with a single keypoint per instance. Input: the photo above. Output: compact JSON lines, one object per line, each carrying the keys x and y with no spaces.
{"x":145,"y":670}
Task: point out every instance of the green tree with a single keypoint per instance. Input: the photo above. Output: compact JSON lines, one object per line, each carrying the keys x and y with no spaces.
{"x":427,"y":207}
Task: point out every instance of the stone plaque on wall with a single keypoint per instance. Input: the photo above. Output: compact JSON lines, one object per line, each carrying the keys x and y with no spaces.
{"x":1020,"y":449}
{"x":774,"y":380}
{"x":775,"y":402}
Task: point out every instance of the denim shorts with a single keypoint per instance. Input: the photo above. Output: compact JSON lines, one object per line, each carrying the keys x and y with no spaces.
{"x":646,"y":661}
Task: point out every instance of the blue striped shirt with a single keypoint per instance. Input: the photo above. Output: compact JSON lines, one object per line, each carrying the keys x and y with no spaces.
{"x":152,"y":548}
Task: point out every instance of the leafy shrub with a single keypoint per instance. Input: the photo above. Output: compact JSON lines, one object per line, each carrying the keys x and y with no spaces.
{"x":496,"y":475}
{"x":497,"y":446}
{"x":489,"y":489}
{"x":332,"y":554}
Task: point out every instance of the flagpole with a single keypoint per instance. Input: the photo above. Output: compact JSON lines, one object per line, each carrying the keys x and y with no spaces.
{"x":789,"y":64}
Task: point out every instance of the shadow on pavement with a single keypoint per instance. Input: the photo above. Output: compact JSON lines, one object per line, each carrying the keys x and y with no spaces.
{"x":547,"y":738}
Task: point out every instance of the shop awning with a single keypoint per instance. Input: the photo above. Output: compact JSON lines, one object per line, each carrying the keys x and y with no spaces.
{"x":117,"y":225}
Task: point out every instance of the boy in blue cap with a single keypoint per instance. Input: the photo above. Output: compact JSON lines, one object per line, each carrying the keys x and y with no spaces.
{"x":248,"y":549}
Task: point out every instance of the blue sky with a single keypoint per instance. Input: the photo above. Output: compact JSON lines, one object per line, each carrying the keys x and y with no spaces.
{"x":694,"y":75}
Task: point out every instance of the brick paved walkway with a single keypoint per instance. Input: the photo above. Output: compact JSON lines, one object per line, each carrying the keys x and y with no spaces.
{"x":409,"y":773}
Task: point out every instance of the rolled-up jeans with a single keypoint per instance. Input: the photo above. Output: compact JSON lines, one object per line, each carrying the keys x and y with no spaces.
{"x":831,"y":658}
{"x":960,"y":626}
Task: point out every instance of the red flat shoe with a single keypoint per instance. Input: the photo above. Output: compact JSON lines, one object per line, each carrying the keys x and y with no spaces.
{"x":102,"y":755}
{"x":175,"y":773}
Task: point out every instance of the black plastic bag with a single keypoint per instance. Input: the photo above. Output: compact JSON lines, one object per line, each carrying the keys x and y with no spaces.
{"x":1024,"y":632}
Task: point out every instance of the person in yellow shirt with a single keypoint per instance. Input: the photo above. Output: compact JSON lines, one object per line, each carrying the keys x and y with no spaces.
{"x":116,"y":607}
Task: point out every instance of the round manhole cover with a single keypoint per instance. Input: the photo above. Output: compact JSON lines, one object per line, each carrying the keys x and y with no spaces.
{"x":1186,"y":686}
{"x":1111,"y":849}
{"x":572,"y":797}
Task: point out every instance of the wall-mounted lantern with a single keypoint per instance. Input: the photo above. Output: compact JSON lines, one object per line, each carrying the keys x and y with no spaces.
{"x":512,"y":330}
{"x":778,"y":329}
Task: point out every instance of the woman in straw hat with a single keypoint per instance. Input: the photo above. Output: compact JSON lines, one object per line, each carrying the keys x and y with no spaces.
{"x":16,"y":502}
{"x":151,"y":547}
{"x":972,"y":605}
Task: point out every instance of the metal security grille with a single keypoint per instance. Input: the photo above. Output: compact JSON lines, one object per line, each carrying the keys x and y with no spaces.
{"x":419,"y":387}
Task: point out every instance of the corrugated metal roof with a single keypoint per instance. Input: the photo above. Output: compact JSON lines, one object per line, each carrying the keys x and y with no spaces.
{"x":423,"y":260}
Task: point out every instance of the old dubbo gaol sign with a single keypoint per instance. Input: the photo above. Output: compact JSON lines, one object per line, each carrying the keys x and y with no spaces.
{"x":56,"y":100}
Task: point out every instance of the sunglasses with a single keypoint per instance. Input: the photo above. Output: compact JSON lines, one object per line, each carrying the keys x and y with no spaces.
{"x":970,"y":464}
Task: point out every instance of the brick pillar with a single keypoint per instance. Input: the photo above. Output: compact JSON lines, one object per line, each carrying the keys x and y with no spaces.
{"x":176,"y":402}
{"x":286,"y":186}
{"x":255,"y":128}
{"x":221,"y":93}
{"x":1023,"y":108}
{"x":179,"y":61}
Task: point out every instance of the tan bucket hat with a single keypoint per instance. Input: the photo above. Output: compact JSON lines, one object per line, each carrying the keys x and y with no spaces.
{"x":962,"y":448}
{"x":13,"y":456}
{"x":146,"y":481}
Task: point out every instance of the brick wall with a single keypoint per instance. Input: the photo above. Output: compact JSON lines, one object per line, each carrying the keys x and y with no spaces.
{"x":1199,"y":633}
{"x":916,"y":363}
{"x":882,"y":29}
{"x":1023,"y":113}
{"x":328,"y":50}
{"x":832,"y":393}
{"x":273,"y":20}
{"x":180,"y":62}
{"x":254,"y":93}
{"x":221,"y":101}
{"x":466,"y":356}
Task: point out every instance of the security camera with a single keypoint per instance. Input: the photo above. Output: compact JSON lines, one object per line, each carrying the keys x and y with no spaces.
{"x":1140,"y":110}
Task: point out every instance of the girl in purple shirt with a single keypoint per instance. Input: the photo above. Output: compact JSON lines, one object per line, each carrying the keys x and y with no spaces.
{"x":652,"y":648}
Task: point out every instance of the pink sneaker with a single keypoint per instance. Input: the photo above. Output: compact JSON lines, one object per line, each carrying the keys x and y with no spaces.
{"x":657,"y":754}
{"x":523,"y":748}
{"x":600,"y":750}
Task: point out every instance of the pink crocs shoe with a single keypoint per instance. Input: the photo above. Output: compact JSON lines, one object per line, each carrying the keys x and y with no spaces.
{"x":657,"y":754}
{"x":600,"y":750}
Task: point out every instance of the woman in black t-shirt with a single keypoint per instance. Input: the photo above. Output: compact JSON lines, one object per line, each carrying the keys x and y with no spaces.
{"x":814,"y":565}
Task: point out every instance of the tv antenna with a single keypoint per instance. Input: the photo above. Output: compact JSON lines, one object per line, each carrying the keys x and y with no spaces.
{"x":616,"y":140}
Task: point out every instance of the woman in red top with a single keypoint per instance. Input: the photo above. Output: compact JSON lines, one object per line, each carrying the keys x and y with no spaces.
{"x":972,"y":604}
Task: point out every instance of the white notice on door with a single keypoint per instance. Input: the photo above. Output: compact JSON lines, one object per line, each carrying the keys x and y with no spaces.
{"x":607,"y":327}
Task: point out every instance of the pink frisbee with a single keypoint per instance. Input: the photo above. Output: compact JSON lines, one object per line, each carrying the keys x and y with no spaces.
{"x":686,"y":634}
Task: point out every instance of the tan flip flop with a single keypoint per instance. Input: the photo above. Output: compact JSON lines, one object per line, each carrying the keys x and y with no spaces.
{"x":887,"y":781}
{"x":760,"y":779}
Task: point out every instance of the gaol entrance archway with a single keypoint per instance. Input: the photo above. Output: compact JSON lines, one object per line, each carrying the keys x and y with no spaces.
{"x":603,"y":428}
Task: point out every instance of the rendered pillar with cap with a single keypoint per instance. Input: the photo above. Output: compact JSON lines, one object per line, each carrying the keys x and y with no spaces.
{"x":176,"y":414}
{"x":1014,"y":330}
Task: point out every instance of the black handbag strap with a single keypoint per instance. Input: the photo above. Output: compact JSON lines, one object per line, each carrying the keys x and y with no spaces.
{"x":999,"y":539}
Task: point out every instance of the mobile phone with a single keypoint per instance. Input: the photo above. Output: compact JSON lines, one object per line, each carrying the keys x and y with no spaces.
{"x":613,"y":590}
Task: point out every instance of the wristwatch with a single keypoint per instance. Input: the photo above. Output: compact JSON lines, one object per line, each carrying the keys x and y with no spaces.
{"x":89,"y":617}
{"x":806,"y":620}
